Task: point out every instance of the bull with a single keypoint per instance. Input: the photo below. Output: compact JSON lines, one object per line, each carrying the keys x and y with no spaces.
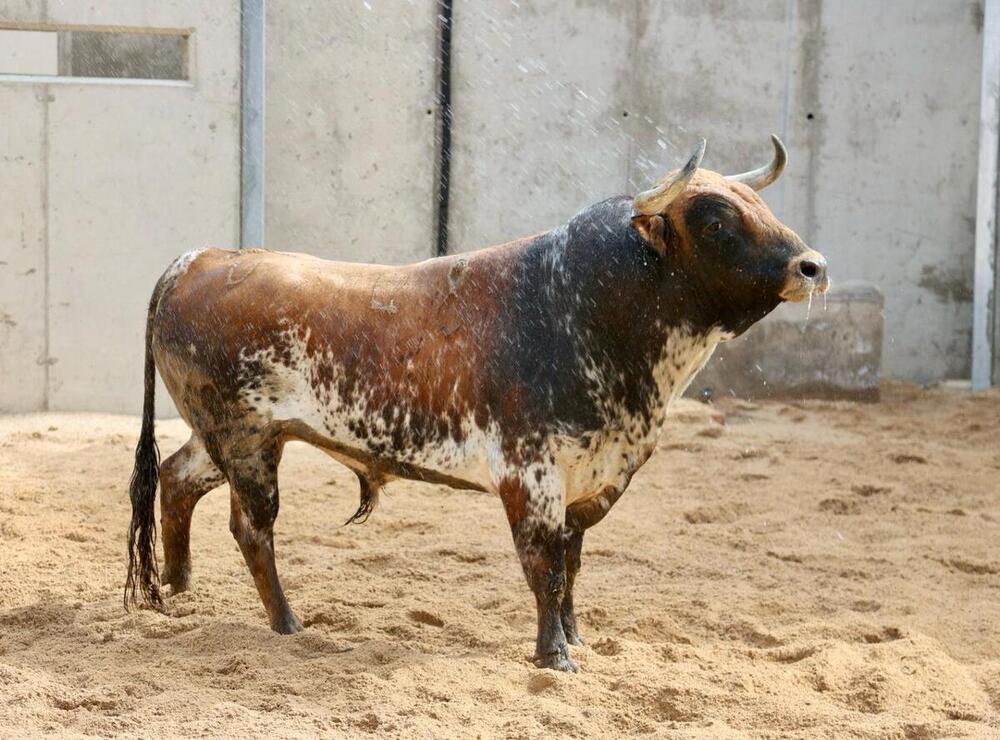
{"x":540,"y":370}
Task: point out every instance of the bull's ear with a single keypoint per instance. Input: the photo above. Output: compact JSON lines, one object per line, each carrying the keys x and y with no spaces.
{"x":652,"y":229}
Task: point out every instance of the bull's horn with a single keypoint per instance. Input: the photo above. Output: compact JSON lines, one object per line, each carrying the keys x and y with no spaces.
{"x":654,"y":201}
{"x":761,"y":177}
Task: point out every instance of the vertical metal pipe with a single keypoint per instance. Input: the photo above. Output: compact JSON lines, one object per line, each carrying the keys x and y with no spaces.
{"x":444,"y":108}
{"x":984,"y":303}
{"x":252,"y":124}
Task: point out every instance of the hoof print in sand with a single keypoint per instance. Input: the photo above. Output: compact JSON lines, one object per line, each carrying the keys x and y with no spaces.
{"x":421,"y":617}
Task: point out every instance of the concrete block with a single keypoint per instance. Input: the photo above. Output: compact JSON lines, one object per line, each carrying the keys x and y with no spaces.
{"x":832,"y":350}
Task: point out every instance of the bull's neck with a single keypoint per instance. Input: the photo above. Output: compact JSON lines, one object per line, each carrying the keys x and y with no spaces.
{"x":639,"y":326}
{"x":642,"y":351}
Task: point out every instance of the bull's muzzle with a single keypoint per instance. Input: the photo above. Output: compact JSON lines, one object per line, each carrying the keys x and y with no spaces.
{"x":806,"y":276}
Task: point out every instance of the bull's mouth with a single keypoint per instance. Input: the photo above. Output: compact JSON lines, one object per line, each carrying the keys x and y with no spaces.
{"x":799,"y":289}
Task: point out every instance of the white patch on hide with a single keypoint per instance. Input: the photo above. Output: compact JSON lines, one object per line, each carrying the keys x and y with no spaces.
{"x":615,"y":453}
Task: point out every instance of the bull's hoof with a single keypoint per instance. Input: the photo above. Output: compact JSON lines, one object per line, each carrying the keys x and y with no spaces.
{"x":287,"y":625}
{"x":178,"y":580}
{"x":557,"y":661}
{"x":173,"y":589}
{"x":569,"y":628}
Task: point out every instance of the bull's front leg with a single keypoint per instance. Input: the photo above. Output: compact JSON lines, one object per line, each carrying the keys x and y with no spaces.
{"x":536,"y":515}
{"x":580,"y":517}
{"x":573,"y":544}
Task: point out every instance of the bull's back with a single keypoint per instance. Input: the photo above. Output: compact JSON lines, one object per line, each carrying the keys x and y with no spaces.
{"x":244,"y":296}
{"x":385,"y":357}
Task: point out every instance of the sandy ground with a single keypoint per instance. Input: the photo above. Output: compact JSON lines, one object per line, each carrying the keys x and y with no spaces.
{"x":776,"y":570}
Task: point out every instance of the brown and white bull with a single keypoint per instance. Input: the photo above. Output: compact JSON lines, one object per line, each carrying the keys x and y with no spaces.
{"x":539,"y":370}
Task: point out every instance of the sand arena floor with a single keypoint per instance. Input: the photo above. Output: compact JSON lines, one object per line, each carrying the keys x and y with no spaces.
{"x":776,"y":570}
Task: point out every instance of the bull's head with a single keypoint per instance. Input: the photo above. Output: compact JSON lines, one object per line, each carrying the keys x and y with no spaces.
{"x":718,"y":232}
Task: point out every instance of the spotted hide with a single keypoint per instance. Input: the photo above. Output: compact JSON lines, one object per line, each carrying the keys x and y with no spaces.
{"x":539,"y":370}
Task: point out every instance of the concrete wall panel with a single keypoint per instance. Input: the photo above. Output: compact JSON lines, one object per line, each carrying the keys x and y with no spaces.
{"x":138,"y":175}
{"x":22,"y":249}
{"x":539,"y":91}
{"x":22,"y":237}
{"x":895,"y":171}
{"x":351,"y":115}
{"x":704,"y":69}
{"x":24,"y":11}
{"x":115,"y":226}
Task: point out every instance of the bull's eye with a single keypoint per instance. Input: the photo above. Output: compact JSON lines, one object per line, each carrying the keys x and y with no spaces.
{"x":714,"y":227}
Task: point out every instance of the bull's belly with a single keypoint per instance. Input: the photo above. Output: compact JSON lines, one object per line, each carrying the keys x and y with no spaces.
{"x":362,"y":440}
{"x":290,"y":408}
{"x":285,"y":402}
{"x":460,"y":464}
{"x":478,"y":461}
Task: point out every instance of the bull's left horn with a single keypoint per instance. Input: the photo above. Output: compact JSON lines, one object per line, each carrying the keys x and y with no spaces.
{"x":761,"y":177}
{"x":654,"y":201}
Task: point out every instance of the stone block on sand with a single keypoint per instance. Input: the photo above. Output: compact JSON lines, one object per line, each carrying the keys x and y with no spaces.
{"x":832,"y":349}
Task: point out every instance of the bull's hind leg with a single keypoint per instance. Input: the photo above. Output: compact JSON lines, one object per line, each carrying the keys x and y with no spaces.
{"x":254,"y":500}
{"x":185,"y":477}
{"x":535,"y":513}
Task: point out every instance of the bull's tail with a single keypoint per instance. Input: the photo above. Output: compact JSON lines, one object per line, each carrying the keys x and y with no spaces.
{"x":143,"y":580}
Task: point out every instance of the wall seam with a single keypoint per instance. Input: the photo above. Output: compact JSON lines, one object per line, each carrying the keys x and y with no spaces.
{"x":445,"y":22}
{"x":984,"y":305}
{"x":46,"y":358}
{"x":811,"y":55}
{"x":786,"y":101}
{"x":631,"y":172}
{"x":253,"y":47}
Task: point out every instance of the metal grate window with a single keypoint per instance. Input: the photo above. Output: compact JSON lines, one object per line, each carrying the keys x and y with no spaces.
{"x":124,"y":53}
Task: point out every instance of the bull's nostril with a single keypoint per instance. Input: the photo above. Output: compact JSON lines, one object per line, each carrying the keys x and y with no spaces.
{"x":809,"y":269}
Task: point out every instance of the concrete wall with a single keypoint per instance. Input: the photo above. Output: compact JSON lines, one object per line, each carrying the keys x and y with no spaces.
{"x":894,"y":167}
{"x":556,"y":106}
{"x":541,"y":99}
{"x":350,"y":126}
{"x":22,"y":251}
{"x":104,"y":184}
{"x":29,"y":52}
{"x":560,"y":105}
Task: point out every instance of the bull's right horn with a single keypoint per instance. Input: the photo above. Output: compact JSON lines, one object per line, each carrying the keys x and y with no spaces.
{"x":654,"y":201}
{"x":763,"y":176}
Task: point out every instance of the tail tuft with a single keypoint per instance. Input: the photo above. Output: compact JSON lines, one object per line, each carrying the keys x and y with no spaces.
{"x":143,"y":580}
